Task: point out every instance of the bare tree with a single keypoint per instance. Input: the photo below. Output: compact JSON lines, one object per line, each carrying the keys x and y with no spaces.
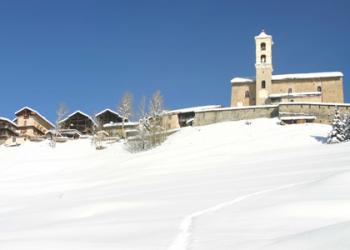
{"x":61,"y":112}
{"x":156,"y":104}
{"x":156,"y":128}
{"x":125,"y":109}
{"x":98,"y":134}
{"x":143,"y":131}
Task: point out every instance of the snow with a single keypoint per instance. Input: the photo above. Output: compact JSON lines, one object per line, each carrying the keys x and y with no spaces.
{"x":300,"y":117}
{"x":292,"y":76}
{"x":120,"y":124}
{"x":242,"y":80}
{"x":241,"y":107}
{"x":34,"y":111}
{"x":105,"y":110}
{"x":263,"y":35}
{"x":298,"y":94}
{"x":193,"y":109}
{"x":307,"y":75}
{"x":222,"y":186}
{"x":318,"y":103}
{"x":9,"y":121}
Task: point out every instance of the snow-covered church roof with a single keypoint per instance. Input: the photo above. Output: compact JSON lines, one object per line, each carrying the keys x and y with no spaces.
{"x":292,"y":76}
{"x":263,"y":35}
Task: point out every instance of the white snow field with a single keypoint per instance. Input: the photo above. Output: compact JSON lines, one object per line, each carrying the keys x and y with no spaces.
{"x":223,"y":186}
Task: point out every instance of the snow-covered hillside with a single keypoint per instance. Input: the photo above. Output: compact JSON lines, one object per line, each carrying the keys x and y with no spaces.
{"x":218,"y":187}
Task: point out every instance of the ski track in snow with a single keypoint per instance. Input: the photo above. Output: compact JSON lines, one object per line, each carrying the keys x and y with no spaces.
{"x":183,"y":239}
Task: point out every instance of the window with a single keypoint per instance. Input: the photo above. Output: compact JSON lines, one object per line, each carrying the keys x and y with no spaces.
{"x":263,"y":59}
{"x":247,"y":94}
{"x":319,"y":89}
{"x":263,"y":46}
{"x":290,"y":90}
{"x":263,"y":84}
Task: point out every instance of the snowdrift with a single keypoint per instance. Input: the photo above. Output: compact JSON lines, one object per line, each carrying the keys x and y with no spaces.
{"x":223,"y":186}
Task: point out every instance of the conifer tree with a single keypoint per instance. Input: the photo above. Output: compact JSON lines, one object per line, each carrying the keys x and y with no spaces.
{"x":338,"y":133}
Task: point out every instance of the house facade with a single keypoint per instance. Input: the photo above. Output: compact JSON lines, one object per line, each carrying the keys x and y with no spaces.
{"x":79,"y":121}
{"x":266,"y":88}
{"x":8,"y":129}
{"x":31,"y":123}
{"x":109,"y":116}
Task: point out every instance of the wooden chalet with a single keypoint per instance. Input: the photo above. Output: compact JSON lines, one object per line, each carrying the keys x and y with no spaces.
{"x":8,"y":129}
{"x":109,"y":116}
{"x":79,"y":121}
{"x":31,"y":124}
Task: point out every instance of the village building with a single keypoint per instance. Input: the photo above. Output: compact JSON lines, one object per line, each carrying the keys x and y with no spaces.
{"x":173,"y":120}
{"x":8,"y":130}
{"x":266,"y":88}
{"x":31,"y":124}
{"x":109,"y":116}
{"x":127,"y":130}
{"x":63,"y":133}
{"x":79,"y":121}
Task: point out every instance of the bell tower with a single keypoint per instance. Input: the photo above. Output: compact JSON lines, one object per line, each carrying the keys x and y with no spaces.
{"x":263,"y":67}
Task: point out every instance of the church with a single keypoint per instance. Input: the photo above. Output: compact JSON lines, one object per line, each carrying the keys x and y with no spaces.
{"x":267,"y":88}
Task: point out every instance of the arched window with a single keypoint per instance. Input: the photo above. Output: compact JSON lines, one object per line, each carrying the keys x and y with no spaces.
{"x":247,"y":94}
{"x":319,"y":89}
{"x":263,"y":84}
{"x":263,"y":59}
{"x":263,"y":46}
{"x":290,"y":90}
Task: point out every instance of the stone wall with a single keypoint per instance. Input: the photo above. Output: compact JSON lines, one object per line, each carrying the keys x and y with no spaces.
{"x":234,"y":114}
{"x":324,"y":112}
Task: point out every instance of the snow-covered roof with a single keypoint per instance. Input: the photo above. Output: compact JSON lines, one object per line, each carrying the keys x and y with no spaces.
{"x":242,"y":107}
{"x":108,"y":110}
{"x":263,"y":35}
{"x":193,"y":109}
{"x":119,"y":124}
{"x":298,"y":94}
{"x":316,"y":103}
{"x":8,"y":120}
{"x":291,"y":76}
{"x":307,"y":75}
{"x":242,"y":80}
{"x":78,"y":112}
{"x":36,"y":112}
{"x":301,"y":117}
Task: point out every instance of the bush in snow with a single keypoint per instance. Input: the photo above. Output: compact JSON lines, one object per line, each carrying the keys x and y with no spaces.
{"x":340,"y":128}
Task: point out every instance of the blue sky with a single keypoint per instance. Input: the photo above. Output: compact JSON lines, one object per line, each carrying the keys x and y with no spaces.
{"x":88,"y":53}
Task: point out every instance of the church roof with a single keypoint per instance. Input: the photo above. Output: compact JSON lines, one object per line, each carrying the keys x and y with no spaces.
{"x":292,"y":76}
